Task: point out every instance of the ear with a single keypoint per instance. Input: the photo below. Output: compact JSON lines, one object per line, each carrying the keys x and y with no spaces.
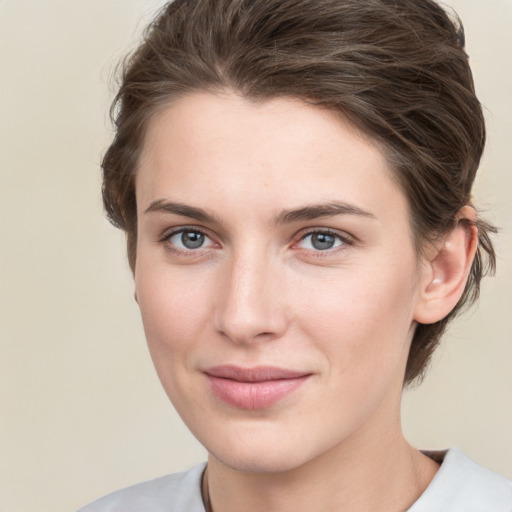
{"x":446,"y":268}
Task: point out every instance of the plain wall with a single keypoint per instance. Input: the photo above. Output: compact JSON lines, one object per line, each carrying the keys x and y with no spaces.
{"x":81,"y":410}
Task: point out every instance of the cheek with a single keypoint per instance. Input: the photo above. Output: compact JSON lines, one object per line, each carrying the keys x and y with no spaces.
{"x":362,"y":319}
{"x":174,"y":314}
{"x":172,"y":306}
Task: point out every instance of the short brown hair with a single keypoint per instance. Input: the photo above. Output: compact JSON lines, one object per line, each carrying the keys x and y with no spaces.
{"x":397,"y":69}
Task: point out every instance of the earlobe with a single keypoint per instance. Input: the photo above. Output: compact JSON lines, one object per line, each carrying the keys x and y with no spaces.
{"x":445,"y":271}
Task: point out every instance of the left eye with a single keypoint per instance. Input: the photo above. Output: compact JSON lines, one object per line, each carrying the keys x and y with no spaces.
{"x":321,"y":241}
{"x":189,"y":240}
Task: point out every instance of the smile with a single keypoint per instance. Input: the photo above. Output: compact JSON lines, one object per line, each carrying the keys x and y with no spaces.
{"x":253,"y":388}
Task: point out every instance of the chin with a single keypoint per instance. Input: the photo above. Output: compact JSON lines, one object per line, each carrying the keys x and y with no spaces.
{"x":262,"y":448}
{"x":256,"y":461}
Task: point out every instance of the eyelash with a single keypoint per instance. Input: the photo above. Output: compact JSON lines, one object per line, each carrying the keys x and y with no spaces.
{"x":345,"y":240}
{"x":166,"y":240}
{"x":318,"y":253}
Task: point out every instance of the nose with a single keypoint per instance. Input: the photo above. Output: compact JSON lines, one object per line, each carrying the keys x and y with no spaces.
{"x":251,"y":304}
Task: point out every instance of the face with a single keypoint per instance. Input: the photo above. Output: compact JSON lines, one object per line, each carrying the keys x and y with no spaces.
{"x":276,"y":277}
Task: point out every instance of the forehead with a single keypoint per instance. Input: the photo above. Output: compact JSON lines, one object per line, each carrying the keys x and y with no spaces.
{"x":222,"y":149}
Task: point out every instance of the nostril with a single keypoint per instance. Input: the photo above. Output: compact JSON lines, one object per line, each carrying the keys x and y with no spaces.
{"x":249,"y":330}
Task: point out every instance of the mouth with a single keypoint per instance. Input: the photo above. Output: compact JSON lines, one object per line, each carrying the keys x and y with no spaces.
{"x":253,"y":388}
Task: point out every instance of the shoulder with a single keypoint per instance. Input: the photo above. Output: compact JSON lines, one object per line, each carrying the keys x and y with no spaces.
{"x":462,"y":485}
{"x":179,"y":492}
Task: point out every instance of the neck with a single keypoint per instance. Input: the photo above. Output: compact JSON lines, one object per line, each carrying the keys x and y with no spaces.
{"x":386,"y":476}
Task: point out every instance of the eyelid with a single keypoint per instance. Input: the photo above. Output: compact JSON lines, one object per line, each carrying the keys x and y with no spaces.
{"x":169,"y":233}
{"x":346,"y":239}
{"x":343,"y":236}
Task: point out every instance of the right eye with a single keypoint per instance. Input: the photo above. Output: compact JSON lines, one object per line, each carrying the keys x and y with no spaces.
{"x":189,"y":240}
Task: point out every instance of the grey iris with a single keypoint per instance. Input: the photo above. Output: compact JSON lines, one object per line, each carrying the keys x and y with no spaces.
{"x":192,"y":239}
{"x":322,"y":241}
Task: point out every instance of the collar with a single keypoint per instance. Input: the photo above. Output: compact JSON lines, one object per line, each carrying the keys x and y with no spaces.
{"x":461,"y":485}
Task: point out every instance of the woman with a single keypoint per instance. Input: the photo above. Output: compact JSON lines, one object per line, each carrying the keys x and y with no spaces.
{"x":294,"y":179}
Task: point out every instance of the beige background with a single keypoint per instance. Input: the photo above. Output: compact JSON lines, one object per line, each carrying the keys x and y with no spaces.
{"x":81,"y":411}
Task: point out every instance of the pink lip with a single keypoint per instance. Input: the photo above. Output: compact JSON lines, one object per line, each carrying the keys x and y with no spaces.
{"x":253,"y":388}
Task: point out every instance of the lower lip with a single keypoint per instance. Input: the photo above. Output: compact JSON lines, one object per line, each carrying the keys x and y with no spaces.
{"x":254,"y":395}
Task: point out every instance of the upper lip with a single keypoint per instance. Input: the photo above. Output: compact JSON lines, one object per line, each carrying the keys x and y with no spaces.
{"x":253,"y":374}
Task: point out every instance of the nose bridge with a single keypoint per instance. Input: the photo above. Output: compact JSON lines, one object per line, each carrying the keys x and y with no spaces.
{"x":251,"y":306}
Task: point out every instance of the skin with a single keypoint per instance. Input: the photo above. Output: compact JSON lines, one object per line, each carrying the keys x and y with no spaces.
{"x":258,"y":291}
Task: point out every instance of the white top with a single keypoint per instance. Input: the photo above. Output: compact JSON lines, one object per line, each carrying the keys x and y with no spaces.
{"x":460,"y":485}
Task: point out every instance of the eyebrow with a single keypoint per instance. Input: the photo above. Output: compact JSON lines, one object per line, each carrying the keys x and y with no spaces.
{"x":309,"y":212}
{"x":315,"y":211}
{"x":184,"y":210}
